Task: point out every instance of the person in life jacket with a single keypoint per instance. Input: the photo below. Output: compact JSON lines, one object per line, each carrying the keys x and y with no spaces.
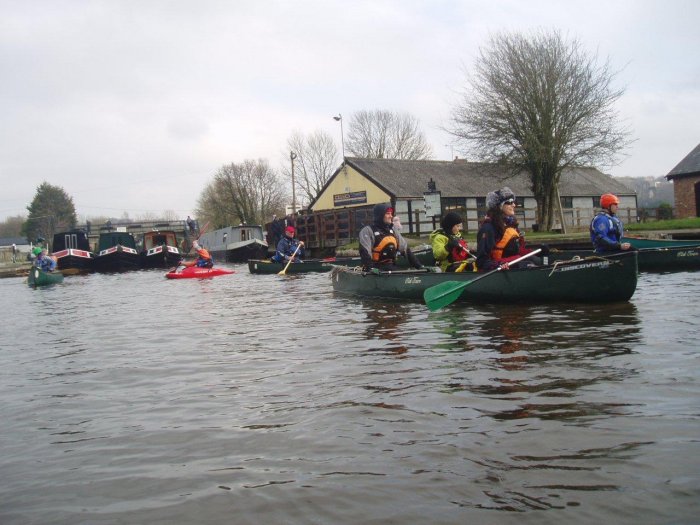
{"x":287,"y":246}
{"x":203,"y":260}
{"x":380,"y":242}
{"x":499,"y":241}
{"x":606,"y":228}
{"x":451,"y":252}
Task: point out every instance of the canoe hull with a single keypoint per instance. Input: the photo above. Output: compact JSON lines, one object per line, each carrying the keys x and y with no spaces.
{"x":198,"y":273}
{"x":669,"y":259}
{"x":38,"y":277}
{"x":641,"y":242}
{"x":601,"y":280}
{"x":266,"y":266}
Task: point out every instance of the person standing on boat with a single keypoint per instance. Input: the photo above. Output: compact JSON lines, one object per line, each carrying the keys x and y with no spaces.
{"x":380,"y":242}
{"x":289,"y":248}
{"x":43,"y":261}
{"x":606,"y":228}
{"x":499,"y":241}
{"x":203,"y":260}
{"x":449,"y":249}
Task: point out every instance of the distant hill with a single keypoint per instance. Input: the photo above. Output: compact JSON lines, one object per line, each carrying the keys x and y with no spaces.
{"x":651,"y":191}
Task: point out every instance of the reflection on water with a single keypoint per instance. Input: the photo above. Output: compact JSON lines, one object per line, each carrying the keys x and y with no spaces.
{"x":270,"y":399}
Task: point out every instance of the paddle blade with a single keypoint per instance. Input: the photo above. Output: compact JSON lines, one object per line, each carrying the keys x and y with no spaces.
{"x":443,"y":294}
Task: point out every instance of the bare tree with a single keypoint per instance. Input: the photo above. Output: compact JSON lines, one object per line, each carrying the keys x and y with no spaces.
{"x":382,"y":134}
{"x":540,"y":104}
{"x":241,"y":193}
{"x":316,"y":158}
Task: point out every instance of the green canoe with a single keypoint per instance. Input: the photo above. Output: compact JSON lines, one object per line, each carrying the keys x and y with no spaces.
{"x":38,"y":277}
{"x":662,"y":259}
{"x":601,"y":280}
{"x":642,"y":242}
{"x":266,"y":266}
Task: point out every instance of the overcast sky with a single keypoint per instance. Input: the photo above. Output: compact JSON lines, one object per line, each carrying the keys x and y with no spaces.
{"x":132,"y":106}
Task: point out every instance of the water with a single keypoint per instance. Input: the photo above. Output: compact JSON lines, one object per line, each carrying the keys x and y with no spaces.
{"x":265,"y":399}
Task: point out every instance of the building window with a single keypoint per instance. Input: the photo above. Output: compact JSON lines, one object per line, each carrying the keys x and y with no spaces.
{"x":456,"y":204}
{"x":567,"y":203}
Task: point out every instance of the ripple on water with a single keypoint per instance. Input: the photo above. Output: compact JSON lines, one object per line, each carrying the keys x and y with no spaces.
{"x":132,"y":398}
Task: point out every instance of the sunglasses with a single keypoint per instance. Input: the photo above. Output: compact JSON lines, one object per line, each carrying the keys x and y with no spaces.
{"x":509,"y":201}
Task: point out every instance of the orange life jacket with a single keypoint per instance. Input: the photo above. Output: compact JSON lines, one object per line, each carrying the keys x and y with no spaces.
{"x":385,"y":248}
{"x":510,"y":235}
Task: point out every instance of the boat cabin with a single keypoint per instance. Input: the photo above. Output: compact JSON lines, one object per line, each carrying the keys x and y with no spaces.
{"x":159,"y":238}
{"x":71,"y":240}
{"x":108,"y":240}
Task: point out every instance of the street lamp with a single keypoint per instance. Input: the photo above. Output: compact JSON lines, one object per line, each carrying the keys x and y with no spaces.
{"x":339,"y":118}
{"x":293,"y":156}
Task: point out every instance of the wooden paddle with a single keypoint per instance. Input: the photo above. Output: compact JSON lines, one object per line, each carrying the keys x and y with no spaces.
{"x":284,"y":272}
{"x":448,"y":292}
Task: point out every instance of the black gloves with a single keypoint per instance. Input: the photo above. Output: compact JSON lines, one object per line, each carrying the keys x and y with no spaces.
{"x":545,"y":250}
{"x":452,"y":244}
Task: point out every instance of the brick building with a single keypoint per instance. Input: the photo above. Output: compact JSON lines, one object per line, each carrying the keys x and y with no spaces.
{"x":686,"y":185}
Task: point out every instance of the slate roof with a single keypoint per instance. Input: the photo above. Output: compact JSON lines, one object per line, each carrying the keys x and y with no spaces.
{"x":690,"y":165}
{"x":409,"y":179}
{"x":19,"y":241}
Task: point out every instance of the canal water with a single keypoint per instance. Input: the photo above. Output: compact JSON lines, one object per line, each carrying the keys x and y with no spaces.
{"x":252,"y":399}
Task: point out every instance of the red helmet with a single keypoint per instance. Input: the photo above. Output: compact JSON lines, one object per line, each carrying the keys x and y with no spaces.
{"x":608,"y":200}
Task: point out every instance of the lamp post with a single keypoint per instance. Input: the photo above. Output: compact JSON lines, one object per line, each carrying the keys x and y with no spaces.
{"x":293,"y":156}
{"x":339,"y":118}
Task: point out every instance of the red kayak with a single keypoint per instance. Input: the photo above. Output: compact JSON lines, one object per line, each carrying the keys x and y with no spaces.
{"x":194,"y":272}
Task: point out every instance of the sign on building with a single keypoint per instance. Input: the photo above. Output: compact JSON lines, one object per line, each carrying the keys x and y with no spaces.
{"x":353,"y":197}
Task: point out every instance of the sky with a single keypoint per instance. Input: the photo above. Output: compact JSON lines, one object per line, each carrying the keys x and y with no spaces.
{"x":132,"y":106}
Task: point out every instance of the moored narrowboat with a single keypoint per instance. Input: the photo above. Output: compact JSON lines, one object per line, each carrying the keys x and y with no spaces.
{"x":160,"y":250}
{"x":71,"y":249}
{"x":235,"y":243}
{"x":117,"y":253}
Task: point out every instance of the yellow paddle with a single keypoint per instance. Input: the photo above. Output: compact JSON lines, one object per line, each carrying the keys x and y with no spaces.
{"x":284,"y":272}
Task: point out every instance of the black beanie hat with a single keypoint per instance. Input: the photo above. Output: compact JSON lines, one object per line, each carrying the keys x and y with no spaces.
{"x":449,"y":220}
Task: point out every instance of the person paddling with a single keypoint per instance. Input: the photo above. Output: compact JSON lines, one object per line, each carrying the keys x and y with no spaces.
{"x":43,"y":261}
{"x":499,"y":241}
{"x":289,"y":248}
{"x":203,"y":260}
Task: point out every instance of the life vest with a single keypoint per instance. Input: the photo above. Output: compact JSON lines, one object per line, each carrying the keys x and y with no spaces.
{"x":511,"y":235}
{"x":204,"y":260}
{"x":385,"y":246}
{"x":459,"y":254}
{"x":606,"y":227}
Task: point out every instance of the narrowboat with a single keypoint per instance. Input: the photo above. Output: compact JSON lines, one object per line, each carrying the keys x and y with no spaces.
{"x":38,"y":277}
{"x":602,"y":280}
{"x":160,"y":249}
{"x":235,"y":243}
{"x":71,"y":249}
{"x":117,"y":253}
